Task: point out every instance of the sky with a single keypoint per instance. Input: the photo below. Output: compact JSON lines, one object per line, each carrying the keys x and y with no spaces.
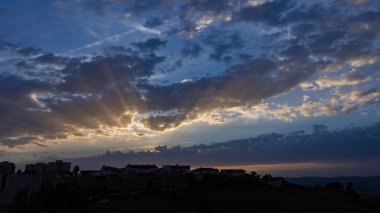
{"x":290,"y":87}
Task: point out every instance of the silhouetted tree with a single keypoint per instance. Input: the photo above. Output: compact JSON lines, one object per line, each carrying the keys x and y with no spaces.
{"x":254,"y":174}
{"x":267,"y":179}
{"x":349,"y":186}
{"x":334,"y":185}
{"x":76,"y":170}
{"x":255,"y":177}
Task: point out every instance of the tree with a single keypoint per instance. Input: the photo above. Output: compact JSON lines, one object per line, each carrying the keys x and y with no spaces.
{"x":349,"y":186}
{"x":267,"y":179}
{"x":254,"y":174}
{"x":334,"y":185}
{"x":76,"y":170}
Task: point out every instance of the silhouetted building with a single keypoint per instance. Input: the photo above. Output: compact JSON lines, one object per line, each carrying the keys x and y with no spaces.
{"x":232,"y":172}
{"x":109,"y":171}
{"x":200,"y":173}
{"x":204,"y":171}
{"x":7,"y":167}
{"x":139,"y":169}
{"x":37,"y":168}
{"x":178,"y":169}
{"x":92,"y":173}
{"x":57,"y":167}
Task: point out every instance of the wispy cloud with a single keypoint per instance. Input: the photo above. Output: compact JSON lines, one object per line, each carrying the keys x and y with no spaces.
{"x":101,"y":42}
{"x":143,"y":29}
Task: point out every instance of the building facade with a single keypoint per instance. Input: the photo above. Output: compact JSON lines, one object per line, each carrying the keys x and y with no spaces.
{"x":7,"y":167}
{"x":139,"y":169}
{"x":180,"y":169}
{"x":54,"y":168}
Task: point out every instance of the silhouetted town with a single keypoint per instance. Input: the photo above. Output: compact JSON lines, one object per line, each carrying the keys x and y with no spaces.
{"x":131,"y":179}
{"x":108,"y":179}
{"x":47,"y":187}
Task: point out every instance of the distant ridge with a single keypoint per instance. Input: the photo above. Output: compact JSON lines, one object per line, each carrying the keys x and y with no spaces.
{"x":360,"y":184}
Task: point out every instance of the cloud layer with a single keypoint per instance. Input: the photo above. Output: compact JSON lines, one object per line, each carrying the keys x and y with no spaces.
{"x":353,"y":144}
{"x":248,"y":53}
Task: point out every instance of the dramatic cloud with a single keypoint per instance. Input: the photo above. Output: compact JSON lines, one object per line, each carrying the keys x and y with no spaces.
{"x":270,"y":12}
{"x":346,"y":79}
{"x":153,"y":22}
{"x":338,"y":103}
{"x":157,"y":65}
{"x":192,"y":50}
{"x":353,"y":143}
{"x":151,"y":44}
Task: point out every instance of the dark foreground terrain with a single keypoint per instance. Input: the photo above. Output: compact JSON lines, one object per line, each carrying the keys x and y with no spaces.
{"x":215,"y":193}
{"x":365,"y":186}
{"x":240,"y":197}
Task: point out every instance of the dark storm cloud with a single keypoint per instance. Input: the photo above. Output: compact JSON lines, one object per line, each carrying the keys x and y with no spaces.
{"x":97,"y":6}
{"x":295,"y":51}
{"x":222,"y":45}
{"x":104,"y":72}
{"x":192,"y":10}
{"x":153,"y":22}
{"x":145,"y":5}
{"x":27,"y":59}
{"x":50,"y":58}
{"x":95,"y":111}
{"x":97,"y":93}
{"x":242,"y":85}
{"x":216,"y":91}
{"x":355,"y":76}
{"x":192,"y":50}
{"x":270,"y":12}
{"x":360,"y":3}
{"x":117,"y":50}
{"x":76,"y":92}
{"x":19,"y":141}
{"x":322,"y":145}
{"x":209,"y":5}
{"x":184,"y":11}
{"x":29,"y":51}
{"x":18,"y":48}
{"x":151,"y":44}
{"x":134,"y":6}
{"x":21,"y":115}
{"x":337,"y":35}
{"x":323,"y":29}
{"x":326,"y":42}
{"x":337,"y":30}
{"x":88,"y":95}
{"x":160,"y":123}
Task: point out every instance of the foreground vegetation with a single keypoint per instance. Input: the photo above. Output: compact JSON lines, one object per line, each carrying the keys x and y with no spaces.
{"x":249,"y":193}
{"x":240,"y":197}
